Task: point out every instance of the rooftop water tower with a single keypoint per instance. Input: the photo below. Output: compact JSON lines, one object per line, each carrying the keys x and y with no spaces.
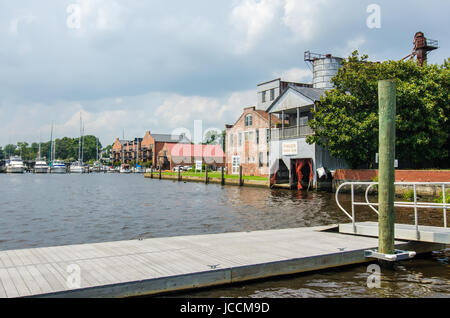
{"x":324,"y":68}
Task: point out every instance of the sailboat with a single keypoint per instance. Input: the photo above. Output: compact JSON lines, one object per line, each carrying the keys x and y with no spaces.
{"x":40,"y":165}
{"x":77,"y":167}
{"x":56,"y":166}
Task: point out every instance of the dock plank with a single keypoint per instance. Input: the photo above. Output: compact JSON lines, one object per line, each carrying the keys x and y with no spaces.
{"x":8,"y":284}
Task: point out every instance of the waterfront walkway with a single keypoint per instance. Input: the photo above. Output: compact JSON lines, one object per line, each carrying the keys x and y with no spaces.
{"x":161,"y":265}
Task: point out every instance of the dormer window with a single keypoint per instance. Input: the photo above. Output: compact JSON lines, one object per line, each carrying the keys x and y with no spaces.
{"x":248,"y":120}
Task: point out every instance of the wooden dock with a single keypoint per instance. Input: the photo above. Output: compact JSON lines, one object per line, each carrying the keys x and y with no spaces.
{"x":161,"y":265}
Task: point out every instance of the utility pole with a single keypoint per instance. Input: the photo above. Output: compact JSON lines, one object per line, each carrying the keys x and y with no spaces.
{"x":386,"y":174}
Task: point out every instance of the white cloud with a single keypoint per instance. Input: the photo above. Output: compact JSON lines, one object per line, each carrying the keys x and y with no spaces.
{"x":251,"y":18}
{"x":101,"y":16}
{"x":303,"y":17}
{"x":181,"y":111}
{"x":15,"y":22}
{"x":295,"y":74}
{"x":353,"y":44}
{"x":106,"y":118}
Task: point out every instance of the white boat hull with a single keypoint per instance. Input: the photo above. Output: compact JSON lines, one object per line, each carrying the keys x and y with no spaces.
{"x":10,"y":169}
{"x":58,"y":170}
{"x":76,"y":170}
{"x":40,"y":170}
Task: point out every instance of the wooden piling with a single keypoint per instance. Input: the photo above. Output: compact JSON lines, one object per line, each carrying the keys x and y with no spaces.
{"x":206,"y":174}
{"x":386,"y":176}
{"x":160,"y":172}
{"x":240,"y":176}
{"x":151,"y":173}
{"x":222,"y":178}
{"x":179,"y":173}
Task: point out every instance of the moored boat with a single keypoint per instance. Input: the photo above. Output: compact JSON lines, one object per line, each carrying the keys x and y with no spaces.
{"x":41,"y":167}
{"x":15,"y":165}
{"x":58,"y":167}
{"x":77,"y":167}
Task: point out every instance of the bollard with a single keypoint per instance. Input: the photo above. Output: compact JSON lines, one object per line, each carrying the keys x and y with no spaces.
{"x":160,"y":172}
{"x":222,"y":180}
{"x":386,"y":175}
{"x":206,"y":174}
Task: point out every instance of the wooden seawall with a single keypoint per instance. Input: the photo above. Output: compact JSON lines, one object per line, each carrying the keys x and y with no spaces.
{"x":160,"y":265}
{"x":227,"y":181}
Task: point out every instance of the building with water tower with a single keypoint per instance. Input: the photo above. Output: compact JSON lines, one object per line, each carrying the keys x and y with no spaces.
{"x":292,"y":161}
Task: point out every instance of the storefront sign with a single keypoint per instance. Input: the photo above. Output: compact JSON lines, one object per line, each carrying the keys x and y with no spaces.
{"x":289,"y":149}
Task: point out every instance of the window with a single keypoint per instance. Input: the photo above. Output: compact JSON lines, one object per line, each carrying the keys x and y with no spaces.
{"x":261,"y":159}
{"x":248,"y":120}
{"x":264,"y":96}
{"x":231,"y":140}
{"x":257,"y":136}
{"x":267,"y":135}
{"x":303,"y":121}
{"x":235,"y":164}
{"x":272,"y":94}
{"x":248,"y":136}
{"x":240,"y":139}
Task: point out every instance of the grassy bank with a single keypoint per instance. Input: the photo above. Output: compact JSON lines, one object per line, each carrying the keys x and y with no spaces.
{"x":210,"y":175}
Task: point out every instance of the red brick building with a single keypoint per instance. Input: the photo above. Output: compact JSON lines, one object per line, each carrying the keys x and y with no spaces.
{"x":172,"y":155}
{"x":143,"y":149}
{"x":247,"y":143}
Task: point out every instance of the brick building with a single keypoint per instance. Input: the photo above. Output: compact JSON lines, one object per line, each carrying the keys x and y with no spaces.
{"x":172,"y":155}
{"x":247,"y":143}
{"x":143,"y":149}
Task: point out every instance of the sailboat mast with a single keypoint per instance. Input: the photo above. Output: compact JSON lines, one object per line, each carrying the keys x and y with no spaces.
{"x":50,"y":154}
{"x":39,"y":151}
{"x":79,"y":143}
{"x":82,"y":144}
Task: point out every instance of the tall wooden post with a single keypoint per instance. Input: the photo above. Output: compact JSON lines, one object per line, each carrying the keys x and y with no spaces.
{"x":179,"y":173}
{"x":240,"y":176}
{"x":160,"y":172}
{"x":386,"y":174}
{"x":222,"y":179}
{"x":206,"y":174}
{"x":151,"y":172}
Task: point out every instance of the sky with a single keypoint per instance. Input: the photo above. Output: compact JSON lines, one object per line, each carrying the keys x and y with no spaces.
{"x":135,"y":66}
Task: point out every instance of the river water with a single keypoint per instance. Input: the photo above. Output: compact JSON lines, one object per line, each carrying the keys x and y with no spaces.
{"x":51,"y":210}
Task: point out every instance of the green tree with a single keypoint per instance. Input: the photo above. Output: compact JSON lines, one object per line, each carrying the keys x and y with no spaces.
{"x":10,"y":150}
{"x":346,"y":121}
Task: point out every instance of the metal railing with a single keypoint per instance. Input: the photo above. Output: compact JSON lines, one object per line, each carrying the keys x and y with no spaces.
{"x":415,"y":204}
{"x":291,"y":132}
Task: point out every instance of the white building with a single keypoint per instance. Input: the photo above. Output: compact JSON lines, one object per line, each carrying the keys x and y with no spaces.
{"x":292,"y":160}
{"x":269,"y":91}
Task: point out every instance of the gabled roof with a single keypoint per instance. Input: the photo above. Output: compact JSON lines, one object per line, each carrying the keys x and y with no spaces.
{"x":311,"y":94}
{"x":261,"y":113}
